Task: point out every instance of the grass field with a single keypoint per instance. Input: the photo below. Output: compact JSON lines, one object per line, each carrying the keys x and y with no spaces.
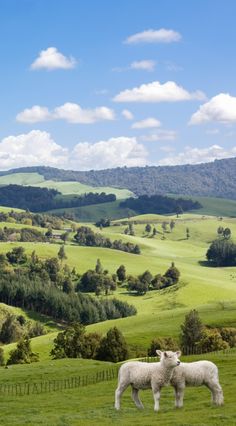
{"x":93,"y":404}
{"x":66,"y":188}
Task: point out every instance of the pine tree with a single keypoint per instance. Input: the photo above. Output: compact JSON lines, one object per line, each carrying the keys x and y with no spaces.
{"x":98,"y":267}
{"x":191,"y":332}
{"x":121,"y":273}
{"x":62,"y":254}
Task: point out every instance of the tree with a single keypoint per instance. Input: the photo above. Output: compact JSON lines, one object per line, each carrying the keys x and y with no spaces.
{"x":222,"y":252}
{"x":67,"y":286}
{"x":2,"y":360}
{"x":162,"y":343}
{"x":172,"y":225}
{"x":23,"y":353}
{"x":113,"y":347}
{"x":211,"y":340}
{"x":146,"y":277}
{"x":11,"y":329}
{"x":227,"y":233}
{"x":164,"y":226}
{"x":154,"y":232}
{"x":69,"y":343}
{"x":173,"y":274}
{"x":17,"y":255}
{"x":187,"y":233}
{"x":121,"y":273}
{"x":220,"y":231}
{"x":62,"y":254}
{"x":148,"y":228}
{"x":49,"y":233}
{"x":191,"y":332}
{"x":98,"y":267}
{"x":131,"y":229}
{"x":65,"y":236}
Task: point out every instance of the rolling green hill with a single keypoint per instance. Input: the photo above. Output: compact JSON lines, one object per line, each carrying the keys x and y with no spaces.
{"x":66,"y":188}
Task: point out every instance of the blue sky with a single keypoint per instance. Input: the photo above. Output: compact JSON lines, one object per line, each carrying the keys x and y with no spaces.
{"x":97,"y":84}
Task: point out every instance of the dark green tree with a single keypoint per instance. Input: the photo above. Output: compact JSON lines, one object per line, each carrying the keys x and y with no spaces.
{"x":121,"y":273}
{"x":173,"y":274}
{"x":69,"y":343}
{"x":98,"y":267}
{"x":113,"y":347}
{"x":61,"y":253}
{"x":191,"y":332}
{"x":148,"y":228}
{"x":23,"y":353}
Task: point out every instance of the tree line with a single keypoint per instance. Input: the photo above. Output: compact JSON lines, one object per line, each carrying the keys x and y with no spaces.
{"x":38,"y":199}
{"x":85,"y":236}
{"x":160,"y":204}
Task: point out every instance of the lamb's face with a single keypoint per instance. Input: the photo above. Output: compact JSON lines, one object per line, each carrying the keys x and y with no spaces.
{"x":169,"y":358}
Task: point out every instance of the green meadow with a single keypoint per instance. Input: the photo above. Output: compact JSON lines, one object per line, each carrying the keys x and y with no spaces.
{"x":66,"y":188}
{"x":212,"y":291}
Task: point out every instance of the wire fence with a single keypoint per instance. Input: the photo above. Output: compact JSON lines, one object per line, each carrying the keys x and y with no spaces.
{"x":48,"y":386}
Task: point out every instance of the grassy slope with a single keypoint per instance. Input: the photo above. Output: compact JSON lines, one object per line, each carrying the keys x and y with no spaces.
{"x":211,"y":290}
{"x":93,"y":405}
{"x":96,"y":211}
{"x":75,"y":188}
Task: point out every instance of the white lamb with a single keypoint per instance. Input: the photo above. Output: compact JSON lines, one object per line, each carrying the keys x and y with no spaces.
{"x":144,"y":375}
{"x":196,"y":374}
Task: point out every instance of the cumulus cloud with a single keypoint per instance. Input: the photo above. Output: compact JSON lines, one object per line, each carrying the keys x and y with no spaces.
{"x":31,"y":149}
{"x":221,"y":108}
{"x":38,"y":148}
{"x":159,"y":135}
{"x":128,"y":115}
{"x":71,"y":112}
{"x":154,"y":36}
{"x":114,"y":152}
{"x":157,"y":92}
{"x":147,"y":123}
{"x":199,"y":155}
{"x":52,"y":59}
{"x":147,"y":65}
{"x":34,"y":115}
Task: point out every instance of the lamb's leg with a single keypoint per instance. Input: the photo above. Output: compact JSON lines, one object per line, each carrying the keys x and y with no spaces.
{"x":120,"y":389}
{"x":136,"y":398}
{"x":156,"y":396}
{"x":216,"y":392}
{"x":179,"y":396}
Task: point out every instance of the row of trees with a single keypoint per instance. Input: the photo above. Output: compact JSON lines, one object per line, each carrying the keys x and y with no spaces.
{"x":86,"y":237}
{"x":16,"y":326}
{"x":38,"y":199}
{"x":222,"y":252}
{"x":159,"y":204}
{"x":27,"y":218}
{"x":195,"y":337}
{"x":22,"y":235}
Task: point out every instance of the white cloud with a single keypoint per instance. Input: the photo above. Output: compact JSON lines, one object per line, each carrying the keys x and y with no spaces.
{"x":147,"y":123}
{"x":221,"y":108}
{"x":71,"y":112}
{"x":52,"y":59}
{"x":154,"y":36}
{"x":128,"y":115}
{"x":157,"y":92}
{"x":198,"y":155}
{"x":147,"y":65}
{"x":114,"y":152}
{"x":159,"y":135}
{"x":38,"y":148}
{"x":31,"y":149}
{"x":34,"y":115}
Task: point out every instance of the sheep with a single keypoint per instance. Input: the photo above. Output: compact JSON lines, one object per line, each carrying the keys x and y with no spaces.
{"x":144,"y":375}
{"x":196,"y":374}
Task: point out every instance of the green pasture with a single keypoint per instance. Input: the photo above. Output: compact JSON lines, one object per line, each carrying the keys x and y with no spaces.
{"x":66,"y":188}
{"x":210,"y":290}
{"x":94,"y":404}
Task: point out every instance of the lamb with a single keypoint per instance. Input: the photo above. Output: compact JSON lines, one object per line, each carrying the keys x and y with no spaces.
{"x":144,"y":375}
{"x":196,"y":374}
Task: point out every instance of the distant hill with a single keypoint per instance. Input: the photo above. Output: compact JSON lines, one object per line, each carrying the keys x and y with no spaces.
{"x":216,"y":179}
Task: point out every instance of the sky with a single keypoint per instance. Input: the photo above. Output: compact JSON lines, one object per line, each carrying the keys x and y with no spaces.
{"x":98,"y":84}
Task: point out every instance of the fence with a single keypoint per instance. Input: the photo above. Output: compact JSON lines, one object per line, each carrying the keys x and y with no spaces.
{"x":193,"y":351}
{"x":29,"y":388}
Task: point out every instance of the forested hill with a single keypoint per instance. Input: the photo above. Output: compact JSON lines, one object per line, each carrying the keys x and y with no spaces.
{"x":216,"y":179}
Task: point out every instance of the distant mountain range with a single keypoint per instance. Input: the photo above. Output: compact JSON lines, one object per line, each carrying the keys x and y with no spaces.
{"x":215,"y":179}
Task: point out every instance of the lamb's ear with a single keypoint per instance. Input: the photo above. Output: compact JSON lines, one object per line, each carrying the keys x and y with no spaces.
{"x":165,"y":355}
{"x":159,"y":353}
{"x":178,"y":353}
